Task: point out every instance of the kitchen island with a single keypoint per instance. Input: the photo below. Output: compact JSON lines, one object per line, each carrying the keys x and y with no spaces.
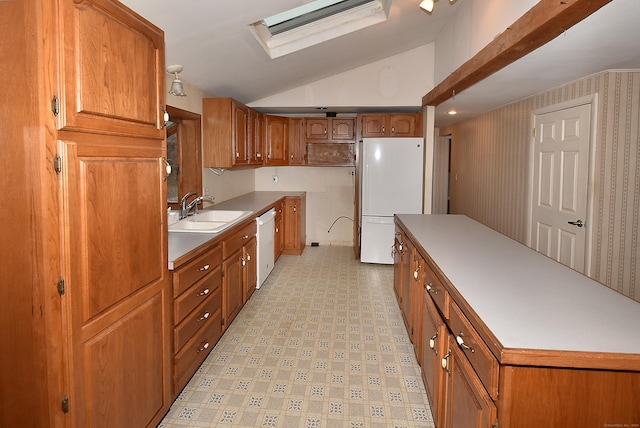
{"x":506,"y":335}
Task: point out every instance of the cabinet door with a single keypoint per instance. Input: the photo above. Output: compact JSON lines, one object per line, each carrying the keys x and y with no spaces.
{"x":297,"y":142}
{"x":277,"y":140}
{"x":405,"y":125}
{"x":467,"y":404}
{"x":118,"y":296}
{"x":291,"y":224}
{"x":407,"y":279}
{"x":342,"y":129}
{"x":434,"y":338}
{"x":256,"y":137}
{"x":232,"y":291}
{"x":416,"y":304}
{"x":250,"y":271}
{"x":113,"y":62}
{"x":279,"y":236}
{"x":317,"y":129}
{"x":398,"y":250}
{"x":375,"y":125}
{"x":240,"y":133}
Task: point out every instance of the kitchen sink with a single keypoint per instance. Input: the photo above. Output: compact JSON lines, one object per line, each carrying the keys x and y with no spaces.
{"x":210,"y":221}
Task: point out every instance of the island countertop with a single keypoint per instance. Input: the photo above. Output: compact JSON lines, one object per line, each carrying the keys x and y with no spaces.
{"x":526,"y":300}
{"x":181,"y":244}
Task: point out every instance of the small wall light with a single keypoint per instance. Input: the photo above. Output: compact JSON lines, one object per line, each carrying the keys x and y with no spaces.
{"x":176,"y":86}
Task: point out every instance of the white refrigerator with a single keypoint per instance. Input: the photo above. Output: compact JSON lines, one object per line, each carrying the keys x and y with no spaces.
{"x":391,"y":183}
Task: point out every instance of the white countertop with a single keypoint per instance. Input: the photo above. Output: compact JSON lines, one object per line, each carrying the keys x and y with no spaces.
{"x":527,"y":300}
{"x":180,"y":243}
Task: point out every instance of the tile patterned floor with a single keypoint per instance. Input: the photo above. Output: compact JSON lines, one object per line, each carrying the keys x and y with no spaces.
{"x":321,"y":344}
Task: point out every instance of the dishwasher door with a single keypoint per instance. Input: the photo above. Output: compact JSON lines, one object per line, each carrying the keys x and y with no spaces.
{"x":266,"y":245}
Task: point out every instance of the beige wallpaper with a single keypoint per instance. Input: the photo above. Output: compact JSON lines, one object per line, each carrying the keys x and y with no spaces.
{"x":490,"y":171}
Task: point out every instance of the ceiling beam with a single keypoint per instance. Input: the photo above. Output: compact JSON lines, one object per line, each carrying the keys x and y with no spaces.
{"x":542,"y":23}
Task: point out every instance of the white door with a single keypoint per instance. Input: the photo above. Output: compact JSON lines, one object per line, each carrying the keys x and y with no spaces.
{"x":560,"y":178}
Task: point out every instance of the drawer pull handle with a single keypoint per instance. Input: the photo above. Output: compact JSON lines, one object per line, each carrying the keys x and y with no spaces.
{"x":248,"y":257}
{"x":430,"y":288}
{"x":205,"y":346}
{"x":444,"y":363}
{"x":245,"y":237}
{"x":203,"y":292}
{"x":203,"y":268}
{"x":204,"y":316}
{"x":415,"y":273}
{"x":244,"y":262}
{"x":401,"y":246}
{"x":432,"y":343}
{"x":460,"y":341}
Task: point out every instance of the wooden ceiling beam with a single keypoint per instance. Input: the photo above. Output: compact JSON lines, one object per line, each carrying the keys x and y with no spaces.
{"x":542,"y":23}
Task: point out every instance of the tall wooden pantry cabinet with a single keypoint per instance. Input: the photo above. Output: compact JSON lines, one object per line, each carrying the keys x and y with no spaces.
{"x":84,"y":302}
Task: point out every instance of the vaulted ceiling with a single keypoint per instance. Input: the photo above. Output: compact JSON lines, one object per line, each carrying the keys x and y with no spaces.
{"x":212,"y":41}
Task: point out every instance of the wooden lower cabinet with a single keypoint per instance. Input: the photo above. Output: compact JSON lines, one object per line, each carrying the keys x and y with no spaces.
{"x":434,"y":346}
{"x":278,"y":231}
{"x":466,"y":404}
{"x":294,"y":218}
{"x":197,"y":313}
{"x":238,"y":273}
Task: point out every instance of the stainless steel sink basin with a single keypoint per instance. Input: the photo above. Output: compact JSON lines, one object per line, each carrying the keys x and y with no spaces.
{"x":211,"y":221}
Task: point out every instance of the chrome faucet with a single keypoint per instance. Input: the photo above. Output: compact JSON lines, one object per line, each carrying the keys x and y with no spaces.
{"x":186,"y":208}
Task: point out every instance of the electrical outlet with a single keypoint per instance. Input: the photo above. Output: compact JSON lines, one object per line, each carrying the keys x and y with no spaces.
{"x":275,"y":179}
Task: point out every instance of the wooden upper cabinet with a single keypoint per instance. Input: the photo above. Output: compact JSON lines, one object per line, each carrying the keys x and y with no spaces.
{"x":276,"y":140}
{"x":113,"y":70}
{"x":342,"y":129}
{"x":330,"y":129}
{"x":297,"y":142}
{"x":391,"y":125}
{"x":256,"y":137}
{"x":226,"y":133}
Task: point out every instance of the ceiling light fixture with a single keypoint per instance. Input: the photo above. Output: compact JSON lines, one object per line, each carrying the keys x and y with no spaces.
{"x":428,"y":4}
{"x":177,"y":89}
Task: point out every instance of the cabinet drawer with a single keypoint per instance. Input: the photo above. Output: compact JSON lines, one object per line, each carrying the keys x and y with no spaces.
{"x":234,"y":242}
{"x":200,"y":316}
{"x":186,"y":361}
{"x":476,"y":351}
{"x":437,"y":291}
{"x":197,"y":294}
{"x":196,"y":269}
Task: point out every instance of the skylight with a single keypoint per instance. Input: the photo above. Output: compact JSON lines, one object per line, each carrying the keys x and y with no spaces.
{"x":315,"y":22}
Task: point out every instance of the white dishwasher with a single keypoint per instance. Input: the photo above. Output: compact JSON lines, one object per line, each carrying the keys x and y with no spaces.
{"x":266,"y":247}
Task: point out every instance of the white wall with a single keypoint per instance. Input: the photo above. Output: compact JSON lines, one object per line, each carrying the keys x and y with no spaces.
{"x":330,"y":196}
{"x":400,"y":80}
{"x":474,"y":26}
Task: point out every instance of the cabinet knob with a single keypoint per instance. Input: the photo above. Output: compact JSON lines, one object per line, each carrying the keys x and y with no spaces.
{"x":204,"y":346}
{"x":432,"y":343}
{"x":444,"y":362}
{"x":415,"y":274}
{"x":291,"y":156}
{"x":430,"y":288}
{"x":460,"y":341}
{"x":258,"y":155}
{"x":203,"y":292}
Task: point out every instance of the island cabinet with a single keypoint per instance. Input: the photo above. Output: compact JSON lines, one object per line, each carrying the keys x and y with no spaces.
{"x":225,"y":133}
{"x":294,"y":218}
{"x":238,"y":270}
{"x":511,"y":338}
{"x":276,"y":140}
{"x":197,"y":313}
{"x":391,"y":125}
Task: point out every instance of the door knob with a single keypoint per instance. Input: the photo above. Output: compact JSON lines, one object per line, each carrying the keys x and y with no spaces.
{"x":578,"y":223}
